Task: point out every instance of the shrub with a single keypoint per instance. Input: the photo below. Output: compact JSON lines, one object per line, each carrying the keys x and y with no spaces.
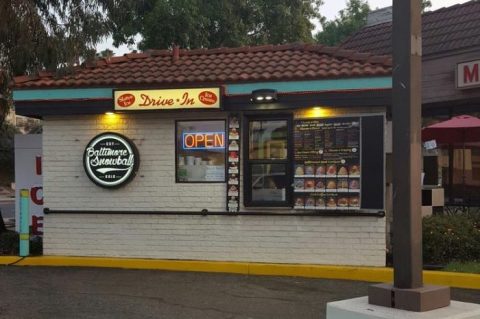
{"x":451,"y":238}
{"x":36,"y":245}
{"x":9,"y":242}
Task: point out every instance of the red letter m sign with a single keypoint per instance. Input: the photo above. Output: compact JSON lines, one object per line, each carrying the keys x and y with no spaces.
{"x":470,"y":73}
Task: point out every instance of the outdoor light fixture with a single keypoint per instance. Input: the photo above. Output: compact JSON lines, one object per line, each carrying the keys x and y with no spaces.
{"x":264,"y":96}
{"x":110,"y":118}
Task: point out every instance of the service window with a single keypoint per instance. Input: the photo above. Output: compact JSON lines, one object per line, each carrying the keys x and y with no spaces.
{"x":200,"y":151}
{"x":267,"y":169}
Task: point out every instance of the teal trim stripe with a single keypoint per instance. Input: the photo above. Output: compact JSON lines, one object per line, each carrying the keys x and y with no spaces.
{"x":319,"y":85}
{"x":62,"y":94}
{"x":245,"y":88}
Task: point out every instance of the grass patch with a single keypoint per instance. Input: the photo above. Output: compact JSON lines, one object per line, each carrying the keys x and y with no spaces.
{"x":469,"y":267}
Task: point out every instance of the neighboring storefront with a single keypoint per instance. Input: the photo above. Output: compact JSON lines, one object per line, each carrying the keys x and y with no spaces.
{"x":450,"y":87}
{"x":264,"y":154}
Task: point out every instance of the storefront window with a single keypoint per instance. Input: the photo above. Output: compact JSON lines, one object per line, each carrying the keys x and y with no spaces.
{"x":269,"y":182}
{"x":268,"y":140}
{"x":268,"y":173}
{"x":200,"y":151}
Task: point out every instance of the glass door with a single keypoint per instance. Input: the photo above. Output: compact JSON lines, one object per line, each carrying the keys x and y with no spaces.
{"x":268,"y":162}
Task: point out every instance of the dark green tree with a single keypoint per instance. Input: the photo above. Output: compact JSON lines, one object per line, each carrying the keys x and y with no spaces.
{"x":350,"y":20}
{"x":50,"y":34}
{"x":7,"y":132}
{"x":426,"y":4}
{"x":284,"y":21}
{"x":105,"y":54}
{"x":215,"y":23}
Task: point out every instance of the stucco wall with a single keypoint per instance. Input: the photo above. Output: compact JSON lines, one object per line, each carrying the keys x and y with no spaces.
{"x":289,"y":239}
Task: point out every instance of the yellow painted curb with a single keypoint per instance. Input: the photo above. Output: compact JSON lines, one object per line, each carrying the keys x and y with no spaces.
{"x":452,"y":279}
{"x":6,"y":260}
{"x":370,"y":274}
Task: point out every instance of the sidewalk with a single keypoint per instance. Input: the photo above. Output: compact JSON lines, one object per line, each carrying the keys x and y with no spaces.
{"x":69,"y":292}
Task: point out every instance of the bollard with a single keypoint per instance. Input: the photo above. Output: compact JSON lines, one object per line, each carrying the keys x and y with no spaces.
{"x":24,"y":222}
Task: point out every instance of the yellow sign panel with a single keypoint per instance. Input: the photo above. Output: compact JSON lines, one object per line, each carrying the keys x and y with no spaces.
{"x":190,"y":98}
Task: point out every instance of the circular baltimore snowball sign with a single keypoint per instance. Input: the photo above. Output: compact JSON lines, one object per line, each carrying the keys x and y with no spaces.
{"x":110,"y":160}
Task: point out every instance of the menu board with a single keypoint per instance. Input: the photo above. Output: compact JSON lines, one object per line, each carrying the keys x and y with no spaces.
{"x":327,"y":164}
{"x":233,"y":173}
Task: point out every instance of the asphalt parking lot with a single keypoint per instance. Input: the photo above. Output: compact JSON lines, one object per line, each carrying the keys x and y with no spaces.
{"x":60,"y":292}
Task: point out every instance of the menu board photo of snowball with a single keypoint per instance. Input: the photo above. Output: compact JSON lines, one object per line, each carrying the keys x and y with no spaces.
{"x":327,"y":164}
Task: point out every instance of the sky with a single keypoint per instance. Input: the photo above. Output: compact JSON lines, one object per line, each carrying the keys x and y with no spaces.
{"x":329,"y":9}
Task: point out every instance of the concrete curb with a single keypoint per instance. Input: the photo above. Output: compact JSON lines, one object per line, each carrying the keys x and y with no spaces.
{"x":371,"y":274}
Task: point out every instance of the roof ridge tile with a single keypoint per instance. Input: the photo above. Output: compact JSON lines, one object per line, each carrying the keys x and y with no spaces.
{"x":45,"y":74}
{"x":25,"y":78}
{"x":117,"y":59}
{"x":154,"y":52}
{"x":245,"y":64}
{"x":136,"y":55}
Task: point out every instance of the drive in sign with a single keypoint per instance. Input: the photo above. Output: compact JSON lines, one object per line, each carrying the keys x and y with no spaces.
{"x":191,"y":98}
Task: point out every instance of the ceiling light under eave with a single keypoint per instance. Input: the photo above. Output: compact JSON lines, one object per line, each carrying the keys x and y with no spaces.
{"x":264,"y":95}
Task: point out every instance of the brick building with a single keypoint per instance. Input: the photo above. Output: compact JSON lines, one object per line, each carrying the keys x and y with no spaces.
{"x":264,"y":154}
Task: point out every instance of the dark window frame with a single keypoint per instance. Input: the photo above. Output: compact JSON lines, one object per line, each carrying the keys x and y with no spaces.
{"x":225,"y":153}
{"x":248,"y":163}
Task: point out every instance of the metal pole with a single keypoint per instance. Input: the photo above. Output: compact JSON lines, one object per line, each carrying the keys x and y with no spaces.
{"x":24,"y":222}
{"x":406,"y":113}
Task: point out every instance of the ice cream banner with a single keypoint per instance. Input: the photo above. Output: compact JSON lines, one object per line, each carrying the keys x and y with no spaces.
{"x":189,"y":98}
{"x":233,"y":189}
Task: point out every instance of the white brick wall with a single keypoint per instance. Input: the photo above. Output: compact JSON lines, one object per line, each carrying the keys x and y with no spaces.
{"x":282,"y":239}
{"x":66,"y":186}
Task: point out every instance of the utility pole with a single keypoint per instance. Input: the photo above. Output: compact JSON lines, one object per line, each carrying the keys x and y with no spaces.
{"x":407,"y":291}
{"x":407,"y":117}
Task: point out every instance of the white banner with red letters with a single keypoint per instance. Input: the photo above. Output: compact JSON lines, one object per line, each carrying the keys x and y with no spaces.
{"x":28,"y":175}
{"x":468,"y":75}
{"x":189,"y":98}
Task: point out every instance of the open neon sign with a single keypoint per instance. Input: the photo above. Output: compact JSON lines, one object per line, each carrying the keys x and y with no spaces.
{"x":203,"y":140}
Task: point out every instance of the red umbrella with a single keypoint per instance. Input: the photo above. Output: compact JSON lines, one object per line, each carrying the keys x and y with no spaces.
{"x":458,"y":129}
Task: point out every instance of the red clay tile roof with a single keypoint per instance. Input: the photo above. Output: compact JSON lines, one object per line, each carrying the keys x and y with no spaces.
{"x":222,"y":65}
{"x":447,"y":29}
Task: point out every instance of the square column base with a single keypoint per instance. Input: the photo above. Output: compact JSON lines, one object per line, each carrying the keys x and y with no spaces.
{"x":359,"y":308}
{"x":425,"y":298}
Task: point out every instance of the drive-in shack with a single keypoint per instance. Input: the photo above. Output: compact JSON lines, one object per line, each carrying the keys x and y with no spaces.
{"x":264,"y":154}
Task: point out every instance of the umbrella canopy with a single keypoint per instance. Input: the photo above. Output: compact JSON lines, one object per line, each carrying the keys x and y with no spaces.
{"x":458,"y":129}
